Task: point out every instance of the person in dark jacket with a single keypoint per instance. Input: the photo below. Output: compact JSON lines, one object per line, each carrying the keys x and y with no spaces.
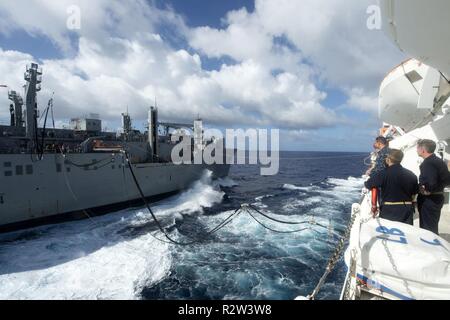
{"x":398,"y":188}
{"x":381,"y":145}
{"x":432,"y":180}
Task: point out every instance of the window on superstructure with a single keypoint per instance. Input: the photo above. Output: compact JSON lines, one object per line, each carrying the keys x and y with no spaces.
{"x":29,"y":169}
{"x":19,"y":170}
{"x":413,"y":76}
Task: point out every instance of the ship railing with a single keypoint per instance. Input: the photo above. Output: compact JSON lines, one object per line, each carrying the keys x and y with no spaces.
{"x":362,"y":213}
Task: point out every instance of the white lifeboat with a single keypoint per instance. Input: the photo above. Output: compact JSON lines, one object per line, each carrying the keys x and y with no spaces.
{"x":398,"y":261}
{"x":400,"y":93}
{"x":420,"y":28}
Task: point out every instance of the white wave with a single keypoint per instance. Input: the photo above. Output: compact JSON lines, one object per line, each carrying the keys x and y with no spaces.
{"x":327,"y":203}
{"x":204,"y":193}
{"x":342,"y":190}
{"x":351,"y":182}
{"x":296,"y":204}
{"x":259,"y":199}
{"x":226,"y":182}
{"x":345,"y":189}
{"x":91,"y":259}
{"x":63,"y":266}
{"x":293,"y":205}
{"x":293,"y":187}
{"x":260,"y":205}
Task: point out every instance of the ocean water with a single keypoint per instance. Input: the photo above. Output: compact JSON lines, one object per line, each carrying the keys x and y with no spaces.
{"x":119,"y":256}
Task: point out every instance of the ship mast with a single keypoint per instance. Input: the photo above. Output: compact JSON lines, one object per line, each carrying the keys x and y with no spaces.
{"x":33,"y":77}
{"x":153,"y":132}
{"x":126,"y":124}
{"x":16,"y":109}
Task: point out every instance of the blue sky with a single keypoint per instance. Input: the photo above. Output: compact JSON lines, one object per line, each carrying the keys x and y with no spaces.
{"x":263,"y":64}
{"x":40,"y":47}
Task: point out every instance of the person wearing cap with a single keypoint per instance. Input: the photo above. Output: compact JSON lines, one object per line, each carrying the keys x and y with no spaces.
{"x":433,"y":178}
{"x":398,"y":189}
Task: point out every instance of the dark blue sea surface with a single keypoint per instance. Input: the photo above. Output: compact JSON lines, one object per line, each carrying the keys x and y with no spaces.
{"x":119,"y":256}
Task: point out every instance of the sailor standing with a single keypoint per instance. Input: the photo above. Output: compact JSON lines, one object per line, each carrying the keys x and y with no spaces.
{"x":381,"y":146}
{"x":398,"y":188}
{"x":432,"y":181}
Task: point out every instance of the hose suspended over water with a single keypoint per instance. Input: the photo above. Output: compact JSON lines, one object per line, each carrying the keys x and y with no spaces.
{"x":281,"y":221}
{"x":221,"y":225}
{"x":273,"y":230}
{"x":166,"y":235}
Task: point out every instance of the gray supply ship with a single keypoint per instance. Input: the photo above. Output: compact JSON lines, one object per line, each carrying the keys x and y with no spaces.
{"x":51,"y":175}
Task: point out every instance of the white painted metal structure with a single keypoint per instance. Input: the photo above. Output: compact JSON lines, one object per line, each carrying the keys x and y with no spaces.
{"x":420,"y":28}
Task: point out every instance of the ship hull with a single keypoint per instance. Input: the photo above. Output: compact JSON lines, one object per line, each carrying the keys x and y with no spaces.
{"x":59,"y":188}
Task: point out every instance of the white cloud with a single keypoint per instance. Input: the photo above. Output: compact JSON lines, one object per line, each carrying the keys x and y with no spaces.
{"x":100,"y":19}
{"x":360,"y":100}
{"x":244,"y":38}
{"x":181,"y":63}
{"x":242,"y":94}
{"x":331,"y":34}
{"x":120,"y":59}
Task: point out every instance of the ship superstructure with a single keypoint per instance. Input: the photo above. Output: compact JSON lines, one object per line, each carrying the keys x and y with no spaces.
{"x":49,"y":174}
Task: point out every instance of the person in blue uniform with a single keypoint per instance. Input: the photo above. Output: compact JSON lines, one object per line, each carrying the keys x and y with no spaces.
{"x":433,"y":178}
{"x":381,"y":145}
{"x":398,"y":188}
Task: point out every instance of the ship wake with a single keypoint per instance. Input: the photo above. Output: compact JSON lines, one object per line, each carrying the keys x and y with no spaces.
{"x":99,"y":258}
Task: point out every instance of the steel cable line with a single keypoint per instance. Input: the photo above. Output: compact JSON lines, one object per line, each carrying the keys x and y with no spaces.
{"x":273,"y":230}
{"x":221,"y":225}
{"x":160,"y":227}
{"x":281,"y":221}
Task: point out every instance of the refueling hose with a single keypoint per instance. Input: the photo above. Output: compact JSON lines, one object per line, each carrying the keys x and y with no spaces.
{"x":166,"y":235}
{"x":221,"y":225}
